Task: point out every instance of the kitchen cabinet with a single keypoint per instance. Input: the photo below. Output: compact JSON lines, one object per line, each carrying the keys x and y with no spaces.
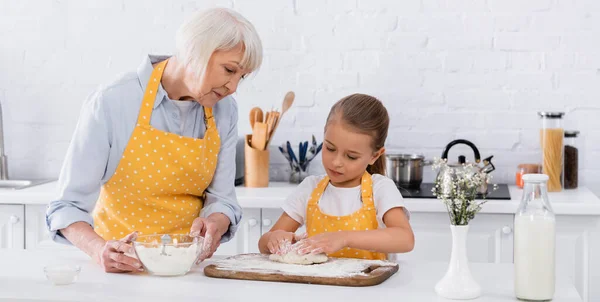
{"x":12,"y":226}
{"x":573,"y":249}
{"x":255,"y":223}
{"x":247,"y":236}
{"x":270,"y":217}
{"x":490,"y":238}
{"x":36,"y":233}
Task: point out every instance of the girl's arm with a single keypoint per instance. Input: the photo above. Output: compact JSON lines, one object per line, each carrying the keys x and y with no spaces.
{"x":283,"y":229}
{"x":397,"y":237}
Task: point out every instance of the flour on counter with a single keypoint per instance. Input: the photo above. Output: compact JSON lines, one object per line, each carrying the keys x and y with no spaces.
{"x":334,"y":268}
{"x":178,"y":260}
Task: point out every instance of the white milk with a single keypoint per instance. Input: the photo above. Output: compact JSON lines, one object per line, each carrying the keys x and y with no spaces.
{"x":534,"y":257}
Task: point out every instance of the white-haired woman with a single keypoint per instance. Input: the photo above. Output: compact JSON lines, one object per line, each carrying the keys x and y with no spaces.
{"x":154,"y":152}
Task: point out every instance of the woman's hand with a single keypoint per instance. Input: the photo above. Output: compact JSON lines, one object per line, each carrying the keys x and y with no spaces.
{"x":212,"y":229}
{"x":280,"y":242}
{"x":112,"y":256}
{"x":323,"y":243}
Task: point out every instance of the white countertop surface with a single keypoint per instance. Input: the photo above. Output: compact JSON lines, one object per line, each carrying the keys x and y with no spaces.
{"x":22,"y":277}
{"x":580,"y":201}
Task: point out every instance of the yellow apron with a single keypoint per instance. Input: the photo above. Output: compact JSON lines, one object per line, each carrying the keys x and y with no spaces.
{"x":158,"y":186}
{"x":362,"y":220}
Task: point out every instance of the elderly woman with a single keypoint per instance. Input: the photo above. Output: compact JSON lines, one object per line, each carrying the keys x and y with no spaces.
{"x":154,"y":152}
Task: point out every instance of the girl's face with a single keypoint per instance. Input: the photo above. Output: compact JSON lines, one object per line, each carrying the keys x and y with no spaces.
{"x":221,"y":77}
{"x":347,"y":153}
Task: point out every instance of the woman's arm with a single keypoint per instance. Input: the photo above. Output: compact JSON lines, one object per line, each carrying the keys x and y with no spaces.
{"x":283,"y":229}
{"x":82,"y":235}
{"x":111,"y":255}
{"x":83,"y":169}
{"x":221,"y":200}
{"x":69,"y":217}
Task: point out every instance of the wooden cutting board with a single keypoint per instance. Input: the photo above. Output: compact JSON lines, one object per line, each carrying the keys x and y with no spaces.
{"x":336,"y":271}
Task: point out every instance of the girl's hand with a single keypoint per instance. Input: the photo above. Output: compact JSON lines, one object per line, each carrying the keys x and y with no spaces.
{"x":323,"y":243}
{"x":280,"y":242}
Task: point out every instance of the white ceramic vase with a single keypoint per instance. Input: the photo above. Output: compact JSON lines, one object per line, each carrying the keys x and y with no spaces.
{"x":458,"y":283}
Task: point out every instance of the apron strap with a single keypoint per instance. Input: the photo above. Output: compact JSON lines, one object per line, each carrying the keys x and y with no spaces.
{"x":318,"y":191}
{"x":366,"y":190}
{"x":150,"y":94}
{"x":209,"y":119}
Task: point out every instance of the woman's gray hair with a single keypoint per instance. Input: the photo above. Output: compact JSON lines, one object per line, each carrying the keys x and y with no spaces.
{"x":213,"y":30}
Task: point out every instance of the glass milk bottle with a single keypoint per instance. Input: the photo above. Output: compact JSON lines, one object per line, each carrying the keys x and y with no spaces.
{"x":534,"y":242}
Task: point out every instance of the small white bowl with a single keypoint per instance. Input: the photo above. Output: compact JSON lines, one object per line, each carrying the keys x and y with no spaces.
{"x":62,"y":274}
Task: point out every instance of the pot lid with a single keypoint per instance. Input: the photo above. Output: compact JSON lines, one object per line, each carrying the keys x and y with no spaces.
{"x":405,"y":156}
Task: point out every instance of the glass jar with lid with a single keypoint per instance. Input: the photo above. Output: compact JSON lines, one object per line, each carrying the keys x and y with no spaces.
{"x":571,"y":169}
{"x":551,"y":139}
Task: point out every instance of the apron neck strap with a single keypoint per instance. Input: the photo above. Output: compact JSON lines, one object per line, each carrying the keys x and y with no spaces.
{"x":150,"y":93}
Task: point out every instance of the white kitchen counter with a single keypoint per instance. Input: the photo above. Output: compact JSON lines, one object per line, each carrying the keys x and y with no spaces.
{"x":580,"y":201}
{"x":22,"y":277}
{"x":41,"y":194}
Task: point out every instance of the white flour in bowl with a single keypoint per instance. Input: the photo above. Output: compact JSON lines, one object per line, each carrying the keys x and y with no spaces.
{"x":335,"y":267}
{"x":178,"y":260}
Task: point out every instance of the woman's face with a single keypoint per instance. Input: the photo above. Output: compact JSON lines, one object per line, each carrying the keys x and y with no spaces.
{"x":221,"y":77}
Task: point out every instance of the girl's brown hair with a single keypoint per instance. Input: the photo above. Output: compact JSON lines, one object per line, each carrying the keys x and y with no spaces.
{"x":367,"y":115}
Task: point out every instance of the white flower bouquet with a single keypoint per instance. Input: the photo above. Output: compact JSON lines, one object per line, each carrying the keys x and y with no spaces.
{"x":459,"y":191}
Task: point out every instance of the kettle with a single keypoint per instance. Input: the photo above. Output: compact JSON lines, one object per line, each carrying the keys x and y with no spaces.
{"x":448,"y":172}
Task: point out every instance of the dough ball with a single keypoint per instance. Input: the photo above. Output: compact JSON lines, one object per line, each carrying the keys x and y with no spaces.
{"x":293,"y":257}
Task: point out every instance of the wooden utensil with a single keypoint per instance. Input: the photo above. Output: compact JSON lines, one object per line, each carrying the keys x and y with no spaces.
{"x":256,"y":166}
{"x":256,"y":115}
{"x":259,"y":136}
{"x":288,"y":100}
{"x":271,"y":120}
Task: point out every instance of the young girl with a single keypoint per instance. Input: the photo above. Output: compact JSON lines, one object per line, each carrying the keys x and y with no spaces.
{"x":354,"y":211}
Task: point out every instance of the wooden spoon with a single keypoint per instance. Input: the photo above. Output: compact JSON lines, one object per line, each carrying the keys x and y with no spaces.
{"x":275,"y":117}
{"x":288,"y":100}
{"x":259,"y":136}
{"x":256,"y":115}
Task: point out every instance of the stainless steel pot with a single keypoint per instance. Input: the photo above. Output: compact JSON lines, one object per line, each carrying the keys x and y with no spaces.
{"x":406,"y":170}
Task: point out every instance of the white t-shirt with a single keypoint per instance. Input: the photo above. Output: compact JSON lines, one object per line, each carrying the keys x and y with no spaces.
{"x":184,"y":111}
{"x":344,"y":201}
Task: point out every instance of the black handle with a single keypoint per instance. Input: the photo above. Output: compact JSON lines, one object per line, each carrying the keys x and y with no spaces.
{"x":464,"y":142}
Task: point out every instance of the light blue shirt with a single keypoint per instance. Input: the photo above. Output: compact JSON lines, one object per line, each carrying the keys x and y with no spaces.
{"x":105,"y":125}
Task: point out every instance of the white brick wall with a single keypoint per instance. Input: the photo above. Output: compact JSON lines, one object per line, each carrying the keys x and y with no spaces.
{"x":445,"y":69}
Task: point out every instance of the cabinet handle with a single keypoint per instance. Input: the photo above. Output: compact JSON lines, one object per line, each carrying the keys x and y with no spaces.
{"x":506,"y":230}
{"x":14,"y":219}
{"x":252,"y":222}
{"x":266,"y":222}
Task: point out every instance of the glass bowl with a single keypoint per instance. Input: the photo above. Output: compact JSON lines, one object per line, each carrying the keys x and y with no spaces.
{"x":167,"y":254}
{"x":62,"y":274}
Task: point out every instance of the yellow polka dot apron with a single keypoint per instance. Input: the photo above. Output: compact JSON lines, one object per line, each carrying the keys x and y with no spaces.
{"x":158,"y":186}
{"x":362,"y":220}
